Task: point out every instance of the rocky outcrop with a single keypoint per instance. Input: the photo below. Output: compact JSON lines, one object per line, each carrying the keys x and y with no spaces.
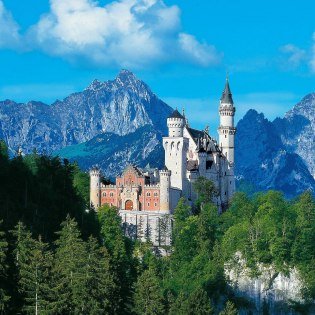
{"x":272,"y":290}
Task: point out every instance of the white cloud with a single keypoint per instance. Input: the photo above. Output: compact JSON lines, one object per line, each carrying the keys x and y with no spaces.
{"x":9,"y":29}
{"x":125,"y":32}
{"x":201,"y":53}
{"x":294,"y":55}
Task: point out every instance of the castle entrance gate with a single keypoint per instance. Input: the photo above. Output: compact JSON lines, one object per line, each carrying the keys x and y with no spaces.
{"x":129,"y":205}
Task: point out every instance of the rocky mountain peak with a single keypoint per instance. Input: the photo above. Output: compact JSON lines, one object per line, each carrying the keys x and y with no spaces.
{"x":95,"y":85}
{"x":127,"y":80}
{"x":306,"y":108}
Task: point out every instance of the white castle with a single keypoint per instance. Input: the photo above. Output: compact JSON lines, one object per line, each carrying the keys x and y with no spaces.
{"x":146,"y":198}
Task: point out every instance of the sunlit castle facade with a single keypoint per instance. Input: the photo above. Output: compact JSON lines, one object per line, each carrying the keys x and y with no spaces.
{"x":146,"y":198}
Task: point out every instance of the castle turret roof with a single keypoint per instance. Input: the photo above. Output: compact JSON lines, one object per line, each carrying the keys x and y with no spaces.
{"x":227,"y":94}
{"x":176,"y":114}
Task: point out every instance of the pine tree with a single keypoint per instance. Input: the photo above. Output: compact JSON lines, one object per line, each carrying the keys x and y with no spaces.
{"x":69,"y":290}
{"x":140,"y":229}
{"x":229,"y":309}
{"x":33,"y":262}
{"x":148,"y":297}
{"x":102,"y":290}
{"x":120,"y":254}
{"x":4,"y":297}
{"x":148,"y":231}
{"x":177,"y":306}
{"x":198,"y":303}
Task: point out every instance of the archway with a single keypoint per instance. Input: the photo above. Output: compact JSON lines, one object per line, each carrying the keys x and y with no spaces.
{"x":129,"y":205}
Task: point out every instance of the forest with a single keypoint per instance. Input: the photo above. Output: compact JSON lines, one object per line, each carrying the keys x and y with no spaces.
{"x":57,"y":256}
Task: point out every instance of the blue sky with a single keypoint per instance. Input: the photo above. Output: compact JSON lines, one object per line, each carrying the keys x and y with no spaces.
{"x":182,"y":49}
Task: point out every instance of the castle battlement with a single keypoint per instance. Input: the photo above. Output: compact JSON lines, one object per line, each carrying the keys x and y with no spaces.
{"x":108,"y":186}
{"x":152,"y":186}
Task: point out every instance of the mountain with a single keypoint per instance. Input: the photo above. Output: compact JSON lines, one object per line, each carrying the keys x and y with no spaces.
{"x":116,"y":122}
{"x":113,"y":152}
{"x":120,"y":106}
{"x":279,"y":154}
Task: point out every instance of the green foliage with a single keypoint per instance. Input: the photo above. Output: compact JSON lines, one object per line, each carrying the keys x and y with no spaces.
{"x":205,"y":190}
{"x":120,"y":250}
{"x":303,"y":251}
{"x":148,"y":297}
{"x":33,"y":263}
{"x":41,"y":190}
{"x":4,"y":297}
{"x":196,"y":303}
{"x":68,"y":271}
{"x":229,"y":309}
{"x":100,"y":281}
{"x":72,"y":272}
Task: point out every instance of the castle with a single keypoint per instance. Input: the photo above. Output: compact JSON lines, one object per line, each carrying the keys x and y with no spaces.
{"x":146,"y":198}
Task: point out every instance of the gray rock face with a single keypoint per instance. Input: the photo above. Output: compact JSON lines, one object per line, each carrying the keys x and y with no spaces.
{"x":120,"y":106}
{"x":298,"y":134}
{"x":269,"y":154}
{"x":275,"y":289}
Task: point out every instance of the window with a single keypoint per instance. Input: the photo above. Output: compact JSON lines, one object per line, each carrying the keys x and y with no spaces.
{"x":111,"y":194}
{"x":155,"y":194}
{"x":148,"y":194}
{"x":148,"y":204}
{"x":155,"y":204}
{"x":104,"y":194}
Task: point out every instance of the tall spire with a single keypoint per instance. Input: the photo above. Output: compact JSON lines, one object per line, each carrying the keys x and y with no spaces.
{"x":227,"y":94}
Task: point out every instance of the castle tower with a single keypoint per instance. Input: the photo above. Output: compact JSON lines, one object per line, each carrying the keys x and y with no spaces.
{"x":165,"y":185}
{"x":176,"y":146}
{"x":95,"y":188}
{"x":227,"y":132}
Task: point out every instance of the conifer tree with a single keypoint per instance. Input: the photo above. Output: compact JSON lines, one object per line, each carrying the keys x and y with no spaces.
{"x":120,"y":254}
{"x":69,"y":290}
{"x":198,"y":303}
{"x":229,"y":309}
{"x":33,"y":262}
{"x":4,"y":297}
{"x":102,"y":290}
{"x":140,"y":229}
{"x":148,"y":297}
{"x":177,"y":306}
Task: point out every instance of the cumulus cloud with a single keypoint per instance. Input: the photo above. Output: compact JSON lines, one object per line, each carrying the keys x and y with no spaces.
{"x":9,"y":29}
{"x":125,"y":32}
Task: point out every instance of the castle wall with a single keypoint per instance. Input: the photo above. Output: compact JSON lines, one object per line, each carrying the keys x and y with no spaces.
{"x":151,"y":198}
{"x":147,"y":226}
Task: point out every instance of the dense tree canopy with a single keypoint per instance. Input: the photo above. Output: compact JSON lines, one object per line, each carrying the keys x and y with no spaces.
{"x":58,"y":258}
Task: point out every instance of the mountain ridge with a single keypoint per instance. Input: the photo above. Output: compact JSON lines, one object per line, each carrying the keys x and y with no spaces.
{"x":120,"y":106}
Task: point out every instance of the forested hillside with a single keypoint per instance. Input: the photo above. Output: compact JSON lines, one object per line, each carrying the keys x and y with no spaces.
{"x":57,"y":258}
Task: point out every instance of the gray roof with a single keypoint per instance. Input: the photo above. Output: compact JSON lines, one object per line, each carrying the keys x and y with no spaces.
{"x":196,"y":134}
{"x":227,"y":94}
{"x":176,"y":114}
